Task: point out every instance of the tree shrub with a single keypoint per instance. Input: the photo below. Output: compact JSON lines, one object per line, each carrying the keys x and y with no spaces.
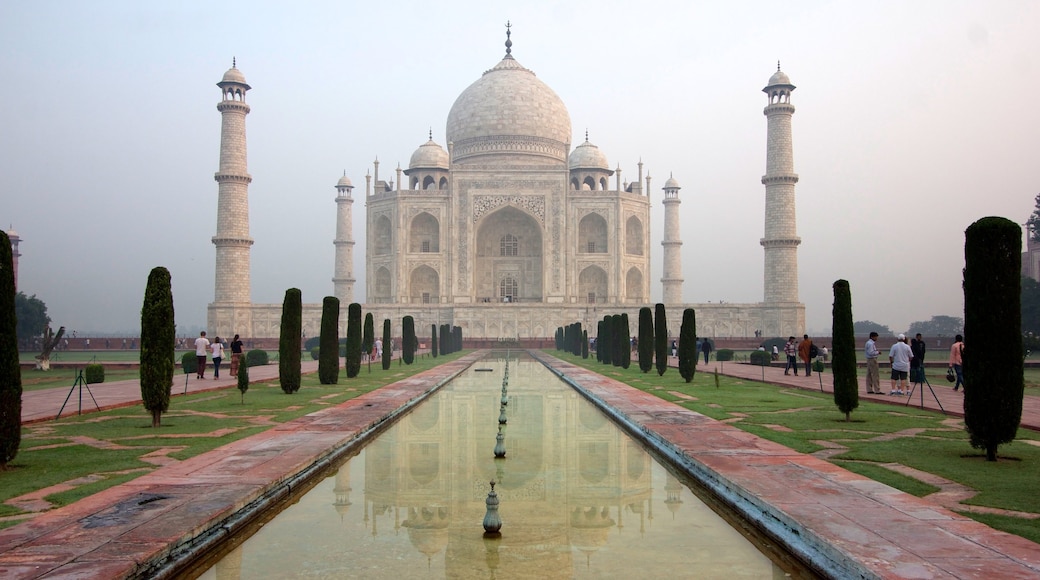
{"x":818,"y":366}
{"x":433,"y":340}
{"x":289,"y":341}
{"x":626,"y":342}
{"x":316,"y":355}
{"x":688,"y":345}
{"x":311,"y":343}
{"x":660,"y":339}
{"x":189,"y":363}
{"x":386,"y":344}
{"x":584,"y":344}
{"x":408,"y":338}
{"x":368,"y":335}
{"x":645,"y":348}
{"x":775,"y":341}
{"x":353,"y":356}
{"x":10,"y":370}
{"x":992,"y":358}
{"x":605,"y":343}
{"x":724,"y":354}
{"x":328,"y":353}
{"x":95,"y":373}
{"x":254,"y":358}
{"x":158,"y":344}
{"x":243,"y":380}
{"x":843,"y":341}
{"x":760,"y":358}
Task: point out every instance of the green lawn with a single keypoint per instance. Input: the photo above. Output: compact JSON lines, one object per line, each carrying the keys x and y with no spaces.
{"x":99,"y":450}
{"x":878,"y":434}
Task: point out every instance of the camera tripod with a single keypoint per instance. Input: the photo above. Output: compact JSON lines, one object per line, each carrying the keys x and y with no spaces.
{"x":80,"y":382}
{"x":922,"y":379}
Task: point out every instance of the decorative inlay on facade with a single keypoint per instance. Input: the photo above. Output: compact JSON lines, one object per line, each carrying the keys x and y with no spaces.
{"x":557,"y":242}
{"x":510,"y":144}
{"x":533,"y":204}
{"x":463,"y":243}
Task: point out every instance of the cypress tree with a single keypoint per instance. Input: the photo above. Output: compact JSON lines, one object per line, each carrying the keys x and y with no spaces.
{"x":158,"y":337}
{"x":992,"y":356}
{"x":409,"y":340}
{"x":606,"y":341}
{"x":577,"y":339}
{"x":646,"y":339}
{"x":843,"y":353}
{"x":368,"y":338}
{"x":599,"y":335}
{"x":433,"y":340}
{"x":289,"y":341}
{"x":328,"y":344}
{"x":617,"y":350}
{"x":10,"y":370}
{"x":243,"y":379}
{"x":386,"y":344}
{"x":626,"y":342}
{"x":353,"y":357}
{"x":688,"y":345}
{"x":457,"y":335}
{"x":660,"y":339}
{"x":584,"y":344}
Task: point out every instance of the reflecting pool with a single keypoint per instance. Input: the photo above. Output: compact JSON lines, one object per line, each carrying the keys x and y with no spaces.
{"x":578,"y":499}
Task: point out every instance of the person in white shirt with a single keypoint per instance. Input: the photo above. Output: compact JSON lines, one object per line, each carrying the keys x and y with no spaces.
{"x":899,"y":356}
{"x":218,"y":355}
{"x":201,"y":352}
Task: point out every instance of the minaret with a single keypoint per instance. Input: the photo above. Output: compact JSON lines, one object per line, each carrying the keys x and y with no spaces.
{"x":671,"y":280}
{"x":781,"y":233}
{"x":15,"y":240}
{"x":344,"y":276}
{"x":232,"y":240}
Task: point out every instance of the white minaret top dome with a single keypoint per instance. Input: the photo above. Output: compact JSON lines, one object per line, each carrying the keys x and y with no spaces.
{"x":588,"y":156}
{"x":672,"y":183}
{"x":429,"y":155}
{"x":344,"y":182}
{"x":509,"y":111}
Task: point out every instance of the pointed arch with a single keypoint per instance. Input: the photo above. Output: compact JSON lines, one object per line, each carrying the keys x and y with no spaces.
{"x":592,"y":234}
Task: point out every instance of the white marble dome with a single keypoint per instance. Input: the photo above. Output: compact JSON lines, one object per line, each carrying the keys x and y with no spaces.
{"x":588,"y":156}
{"x":509,"y":111}
{"x":233,"y":75}
{"x":344,"y":181}
{"x":429,"y":155}
{"x":778,"y":78}
{"x":672,"y":183}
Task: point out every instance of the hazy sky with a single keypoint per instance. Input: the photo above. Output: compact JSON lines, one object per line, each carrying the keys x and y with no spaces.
{"x":913,"y":120}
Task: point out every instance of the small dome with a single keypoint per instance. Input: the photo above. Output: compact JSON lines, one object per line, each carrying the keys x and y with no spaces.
{"x":11,"y":233}
{"x":344,"y":181}
{"x":429,"y":155}
{"x":779,"y":78}
{"x":672,"y":183}
{"x":588,"y":156}
{"x":233,"y":75}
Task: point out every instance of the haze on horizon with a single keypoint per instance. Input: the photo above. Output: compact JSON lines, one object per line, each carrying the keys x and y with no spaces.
{"x":912,"y":121}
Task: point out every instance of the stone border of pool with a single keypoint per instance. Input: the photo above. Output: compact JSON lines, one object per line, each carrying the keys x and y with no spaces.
{"x":846,"y":525}
{"x":843,"y":524}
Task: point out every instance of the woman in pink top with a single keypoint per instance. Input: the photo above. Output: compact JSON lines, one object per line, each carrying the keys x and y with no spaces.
{"x":956,"y":350}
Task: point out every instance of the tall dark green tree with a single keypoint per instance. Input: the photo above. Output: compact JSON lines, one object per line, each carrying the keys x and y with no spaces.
{"x":290,"y":341}
{"x":584,"y":344}
{"x":352,"y":360}
{"x":605,"y":343}
{"x":646,"y":339}
{"x":158,"y":342}
{"x":328,"y":345}
{"x":660,"y":339}
{"x":386,"y":345}
{"x":599,"y":336}
{"x":619,"y":341}
{"x":368,"y":337}
{"x":433,"y":340}
{"x":843,"y":351}
{"x":408,"y":339}
{"x":243,"y":379}
{"x":10,"y":370}
{"x":992,"y":357}
{"x":626,"y":344}
{"x":1033,"y":223}
{"x":688,"y":345}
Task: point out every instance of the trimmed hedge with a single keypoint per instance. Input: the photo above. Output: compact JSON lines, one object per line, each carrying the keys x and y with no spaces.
{"x":315,"y":353}
{"x":94,"y":374}
{"x":256,"y":358}
{"x":760,"y":358}
{"x":724,"y":354}
{"x":189,"y":362}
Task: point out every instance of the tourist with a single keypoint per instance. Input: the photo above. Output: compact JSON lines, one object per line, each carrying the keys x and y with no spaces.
{"x":379,"y":348}
{"x":873,"y":375}
{"x":236,"y":355}
{"x":706,"y":349}
{"x":201,"y":353}
{"x":218,"y":355}
{"x":899,"y":357}
{"x":776,"y":353}
{"x":805,"y":353}
{"x":956,"y":362}
{"x":791,"y":350}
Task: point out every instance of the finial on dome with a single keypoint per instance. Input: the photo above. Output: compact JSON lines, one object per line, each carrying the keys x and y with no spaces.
{"x":509,"y":43}
{"x":586,"y":135}
{"x":777,"y":66}
{"x":233,"y":62}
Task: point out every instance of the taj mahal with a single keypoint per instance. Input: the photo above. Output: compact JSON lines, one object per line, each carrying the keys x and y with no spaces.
{"x":508,"y":231}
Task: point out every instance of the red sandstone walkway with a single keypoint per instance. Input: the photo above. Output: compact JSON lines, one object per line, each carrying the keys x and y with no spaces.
{"x":952,"y":402}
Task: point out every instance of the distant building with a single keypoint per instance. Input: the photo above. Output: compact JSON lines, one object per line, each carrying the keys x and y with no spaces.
{"x":508,"y":233}
{"x":1031,"y":257}
{"x":15,"y":240}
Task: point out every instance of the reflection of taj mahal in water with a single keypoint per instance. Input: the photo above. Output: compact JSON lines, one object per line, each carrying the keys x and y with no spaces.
{"x":508,"y":232}
{"x":578,"y":496}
